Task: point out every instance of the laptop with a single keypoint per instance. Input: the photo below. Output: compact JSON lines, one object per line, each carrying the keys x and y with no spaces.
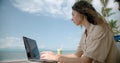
{"x":32,"y":51}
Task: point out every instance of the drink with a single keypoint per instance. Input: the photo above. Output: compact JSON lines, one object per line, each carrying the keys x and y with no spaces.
{"x":59,"y":51}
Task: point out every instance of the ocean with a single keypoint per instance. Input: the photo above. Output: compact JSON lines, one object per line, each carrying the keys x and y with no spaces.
{"x":20,"y":55}
{"x":12,"y":55}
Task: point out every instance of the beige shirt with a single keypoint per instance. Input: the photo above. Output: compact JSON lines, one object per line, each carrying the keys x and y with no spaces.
{"x":99,"y":45}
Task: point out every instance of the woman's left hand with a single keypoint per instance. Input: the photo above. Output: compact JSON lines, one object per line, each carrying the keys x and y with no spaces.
{"x":48,"y":55}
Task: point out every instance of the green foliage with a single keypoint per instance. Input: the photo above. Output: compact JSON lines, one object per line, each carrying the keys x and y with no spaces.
{"x":104,"y":2}
{"x":104,"y":11}
{"x":112,"y":23}
{"x":114,"y":26}
{"x":107,"y":12}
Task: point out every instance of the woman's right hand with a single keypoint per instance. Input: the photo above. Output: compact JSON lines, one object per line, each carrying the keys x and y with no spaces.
{"x":48,"y":55}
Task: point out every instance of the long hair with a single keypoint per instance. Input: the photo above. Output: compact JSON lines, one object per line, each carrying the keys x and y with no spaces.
{"x":93,"y":17}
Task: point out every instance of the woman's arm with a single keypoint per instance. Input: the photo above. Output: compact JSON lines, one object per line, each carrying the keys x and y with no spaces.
{"x":69,"y":55}
{"x":82,"y":59}
{"x":77,"y":54}
{"x":69,"y":58}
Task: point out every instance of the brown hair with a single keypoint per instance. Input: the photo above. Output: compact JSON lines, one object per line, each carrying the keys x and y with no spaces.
{"x":85,"y":8}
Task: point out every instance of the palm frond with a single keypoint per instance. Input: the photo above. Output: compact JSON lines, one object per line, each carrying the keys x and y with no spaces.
{"x":108,"y":12}
{"x":112,"y":23}
{"x":103,"y":12}
{"x":111,"y":14}
{"x":104,"y":2}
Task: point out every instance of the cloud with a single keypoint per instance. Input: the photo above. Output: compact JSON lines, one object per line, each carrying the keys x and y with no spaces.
{"x":97,"y":5}
{"x":45,"y":7}
{"x":57,"y":8}
{"x":16,"y":43}
{"x":11,"y":43}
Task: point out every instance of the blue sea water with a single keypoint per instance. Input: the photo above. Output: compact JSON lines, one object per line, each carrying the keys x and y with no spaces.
{"x":19,"y":55}
{"x":12,"y":55}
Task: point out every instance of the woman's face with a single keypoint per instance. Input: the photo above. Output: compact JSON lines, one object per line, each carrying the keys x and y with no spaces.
{"x":77,"y":18}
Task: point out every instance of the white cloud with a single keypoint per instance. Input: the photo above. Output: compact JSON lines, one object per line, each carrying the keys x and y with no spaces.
{"x":58,"y":8}
{"x":16,"y":43}
{"x":11,"y":43}
{"x":45,"y":7}
{"x":97,"y":5}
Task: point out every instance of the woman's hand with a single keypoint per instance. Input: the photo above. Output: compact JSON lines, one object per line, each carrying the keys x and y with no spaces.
{"x":48,"y":55}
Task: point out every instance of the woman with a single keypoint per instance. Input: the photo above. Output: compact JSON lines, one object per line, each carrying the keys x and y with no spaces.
{"x":97,"y":44}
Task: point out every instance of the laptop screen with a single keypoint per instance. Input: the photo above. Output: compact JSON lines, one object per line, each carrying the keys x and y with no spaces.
{"x":31,"y":48}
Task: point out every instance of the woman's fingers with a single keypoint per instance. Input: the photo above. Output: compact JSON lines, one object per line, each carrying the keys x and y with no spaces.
{"x":48,"y":55}
{"x":44,"y":55}
{"x":45,"y":52}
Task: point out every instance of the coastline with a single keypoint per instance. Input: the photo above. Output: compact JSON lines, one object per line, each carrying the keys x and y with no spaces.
{"x":18,"y":56}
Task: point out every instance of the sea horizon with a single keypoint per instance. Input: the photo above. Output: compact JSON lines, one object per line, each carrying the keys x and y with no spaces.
{"x":12,"y":55}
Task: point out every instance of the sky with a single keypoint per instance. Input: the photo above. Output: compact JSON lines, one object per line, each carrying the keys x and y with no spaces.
{"x":46,"y":21}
